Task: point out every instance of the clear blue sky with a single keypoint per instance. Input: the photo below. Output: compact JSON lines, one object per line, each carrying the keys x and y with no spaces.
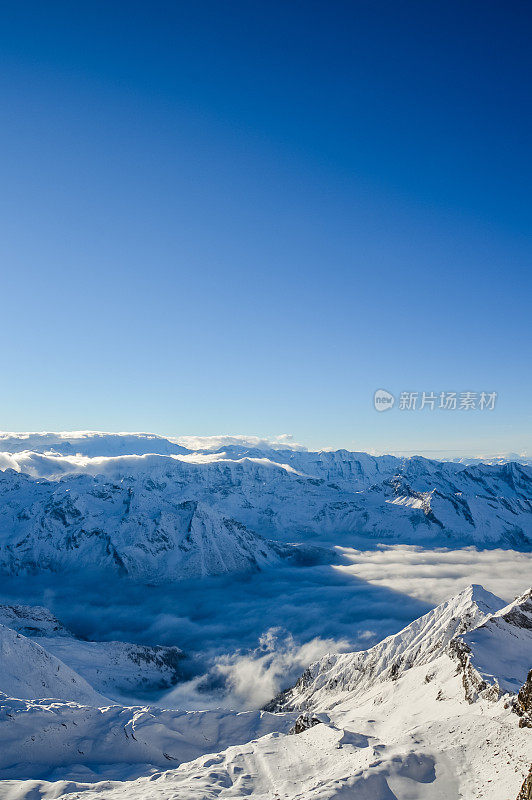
{"x":223,"y":217}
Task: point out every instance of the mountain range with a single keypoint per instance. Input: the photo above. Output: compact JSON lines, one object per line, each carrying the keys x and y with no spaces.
{"x":161,"y":516}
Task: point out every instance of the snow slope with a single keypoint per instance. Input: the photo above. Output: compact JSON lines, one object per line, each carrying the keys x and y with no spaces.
{"x":113,"y":668}
{"x":27,"y":671}
{"x":416,"y":733}
{"x":38,"y":736}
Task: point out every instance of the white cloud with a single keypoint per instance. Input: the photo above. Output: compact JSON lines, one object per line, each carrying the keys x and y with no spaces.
{"x":250,"y":680}
{"x":283,"y":441}
{"x":434,"y":575}
{"x":53,"y":466}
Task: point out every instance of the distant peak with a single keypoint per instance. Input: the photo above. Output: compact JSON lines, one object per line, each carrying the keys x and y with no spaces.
{"x":475,"y":593}
{"x":524,"y":600}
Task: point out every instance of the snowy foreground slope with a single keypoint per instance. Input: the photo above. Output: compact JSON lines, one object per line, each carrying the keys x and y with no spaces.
{"x":432,"y":712}
{"x":92,"y":501}
{"x":115,"y":669}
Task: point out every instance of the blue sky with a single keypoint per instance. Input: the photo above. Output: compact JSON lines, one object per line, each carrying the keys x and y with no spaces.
{"x":248,"y":216}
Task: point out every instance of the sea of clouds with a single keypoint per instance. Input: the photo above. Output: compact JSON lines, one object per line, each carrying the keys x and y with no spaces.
{"x":433,"y":575}
{"x":246,"y":637}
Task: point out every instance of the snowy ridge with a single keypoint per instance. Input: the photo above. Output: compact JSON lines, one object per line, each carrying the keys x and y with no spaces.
{"x":112,"y":668}
{"x":351,"y":674}
{"x":29,"y":671}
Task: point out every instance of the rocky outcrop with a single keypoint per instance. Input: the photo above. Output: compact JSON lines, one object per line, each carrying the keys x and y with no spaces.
{"x":523,"y":703}
{"x":474,"y":685}
{"x":526,"y":788}
{"x":304,"y":722}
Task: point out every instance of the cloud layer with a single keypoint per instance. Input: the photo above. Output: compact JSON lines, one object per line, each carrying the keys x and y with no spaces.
{"x":434,"y":575}
{"x":249,"y":636}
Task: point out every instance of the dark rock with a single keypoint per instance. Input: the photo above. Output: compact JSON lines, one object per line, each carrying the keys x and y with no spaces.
{"x":522,"y":705}
{"x":526,"y":788}
{"x":304,"y":722}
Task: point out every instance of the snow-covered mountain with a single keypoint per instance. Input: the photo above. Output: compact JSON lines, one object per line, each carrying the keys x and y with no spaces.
{"x":115,"y":669}
{"x":162,"y":515}
{"x":491,"y":642}
{"x":351,"y":674}
{"x":132,"y":528}
{"x":431,"y":713}
{"x":28,"y":671}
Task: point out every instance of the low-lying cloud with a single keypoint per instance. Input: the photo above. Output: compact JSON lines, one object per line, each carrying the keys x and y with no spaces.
{"x":249,"y":636}
{"x":249,"y":680}
{"x":434,"y":575}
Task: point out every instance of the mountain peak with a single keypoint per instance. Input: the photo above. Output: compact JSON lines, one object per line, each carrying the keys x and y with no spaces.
{"x":420,"y":642}
{"x":500,"y":647}
{"x":486,"y":601}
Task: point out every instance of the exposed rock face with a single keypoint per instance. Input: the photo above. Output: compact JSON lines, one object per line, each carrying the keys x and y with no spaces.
{"x":304,"y":722}
{"x":523,"y":703}
{"x":526,"y":788}
{"x":474,"y":686}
